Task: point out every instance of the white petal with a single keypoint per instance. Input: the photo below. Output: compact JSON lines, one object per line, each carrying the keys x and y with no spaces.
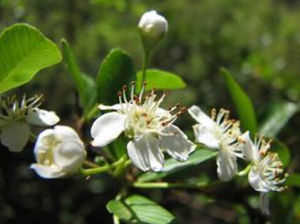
{"x":227,"y":165}
{"x":162,"y":112}
{"x":176,"y":143}
{"x":107,"y":128}
{"x":41,"y":117}
{"x":64,"y":132}
{"x":201,"y":117}
{"x":47,"y":171}
{"x":205,"y":136}
{"x":145,"y":153}
{"x":256,"y":181}
{"x":113,"y":107}
{"x":41,"y":142}
{"x":69,"y":155}
{"x":248,"y":149}
{"x":15,"y":136}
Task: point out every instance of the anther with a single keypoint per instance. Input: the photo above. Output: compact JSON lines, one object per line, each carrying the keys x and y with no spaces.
{"x":119,"y":94}
{"x":183,"y":109}
{"x":124,"y":88}
{"x":153,"y":90}
{"x":213,"y":113}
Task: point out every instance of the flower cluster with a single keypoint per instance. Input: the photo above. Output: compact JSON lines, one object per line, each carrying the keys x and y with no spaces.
{"x":218,"y":132}
{"x":150,"y":129}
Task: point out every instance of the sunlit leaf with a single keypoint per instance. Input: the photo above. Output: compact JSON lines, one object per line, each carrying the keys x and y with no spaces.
{"x":119,"y":209}
{"x":139,"y":209}
{"x":279,"y":115}
{"x":24,"y":51}
{"x":115,"y":71}
{"x":242,"y":103}
{"x":161,"y":80}
{"x":171,"y":166}
{"x":148,"y":211}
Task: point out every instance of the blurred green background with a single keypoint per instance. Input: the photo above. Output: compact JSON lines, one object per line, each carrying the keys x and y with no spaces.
{"x":258,"y":41}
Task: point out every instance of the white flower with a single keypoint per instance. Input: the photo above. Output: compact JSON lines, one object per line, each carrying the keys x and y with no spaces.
{"x":16,"y":117}
{"x":58,"y":152}
{"x":266,"y":173}
{"x":150,"y":127}
{"x":218,"y":133}
{"x":153,"y":25}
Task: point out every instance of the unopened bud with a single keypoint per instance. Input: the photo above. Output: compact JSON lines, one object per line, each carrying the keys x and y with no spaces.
{"x":152,"y":27}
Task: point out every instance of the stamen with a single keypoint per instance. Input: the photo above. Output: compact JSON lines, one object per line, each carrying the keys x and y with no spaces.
{"x":142,"y":91}
{"x":213,"y":113}
{"x":124,"y":88}
{"x":132,"y":89}
{"x":177,"y":106}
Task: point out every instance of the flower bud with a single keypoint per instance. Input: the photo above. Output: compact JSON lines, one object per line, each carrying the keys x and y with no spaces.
{"x":58,"y":152}
{"x":152,"y":27}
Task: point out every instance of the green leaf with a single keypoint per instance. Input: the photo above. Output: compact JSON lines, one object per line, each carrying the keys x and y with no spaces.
{"x":24,"y":52}
{"x":293,"y":180}
{"x":85,"y":85}
{"x":282,"y":150}
{"x":171,"y":166}
{"x":241,"y":102}
{"x":119,"y":209}
{"x":279,"y":115}
{"x":116,"y":70}
{"x":139,"y":209}
{"x":148,"y":211}
{"x":160,"y":80}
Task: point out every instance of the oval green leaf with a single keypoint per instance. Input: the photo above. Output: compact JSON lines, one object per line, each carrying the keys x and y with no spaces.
{"x":148,"y":211}
{"x":171,"y":166}
{"x":115,"y":71}
{"x":159,"y":79}
{"x":119,"y":209}
{"x":24,"y":52}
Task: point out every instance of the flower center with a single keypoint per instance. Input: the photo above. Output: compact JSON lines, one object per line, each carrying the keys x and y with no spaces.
{"x":46,"y":157}
{"x":12,"y":109}
{"x":143,"y":114}
{"x":270,"y":170}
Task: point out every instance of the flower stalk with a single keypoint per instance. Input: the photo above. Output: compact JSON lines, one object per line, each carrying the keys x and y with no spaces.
{"x":105,"y":168}
{"x":167,"y":185}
